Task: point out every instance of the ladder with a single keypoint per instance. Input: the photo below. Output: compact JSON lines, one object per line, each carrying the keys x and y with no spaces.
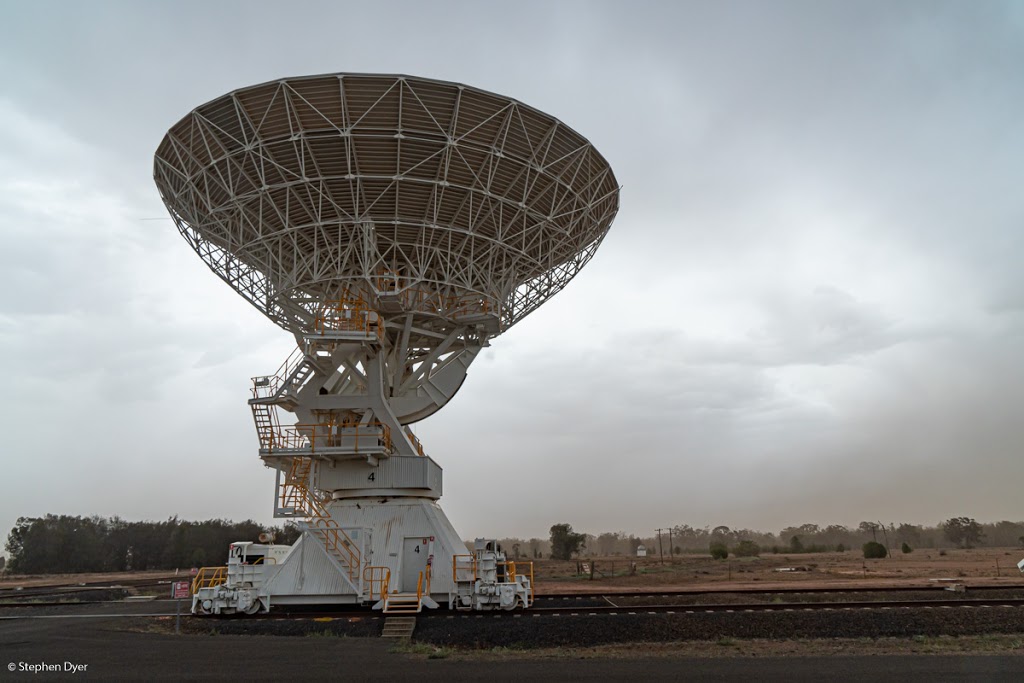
{"x":267,"y":425}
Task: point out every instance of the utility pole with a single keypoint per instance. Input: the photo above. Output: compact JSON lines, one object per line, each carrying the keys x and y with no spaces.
{"x":670,"y":545}
{"x":661,"y":551}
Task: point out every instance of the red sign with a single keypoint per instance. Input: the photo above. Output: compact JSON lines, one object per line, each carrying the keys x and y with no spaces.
{"x":194,"y":571}
{"x":180,"y":590}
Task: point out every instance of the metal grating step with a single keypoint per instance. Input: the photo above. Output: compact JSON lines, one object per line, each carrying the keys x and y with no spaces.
{"x":398,"y":627}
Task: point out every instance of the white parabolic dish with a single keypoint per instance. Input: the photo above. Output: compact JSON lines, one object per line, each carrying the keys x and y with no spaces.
{"x":303,"y":190}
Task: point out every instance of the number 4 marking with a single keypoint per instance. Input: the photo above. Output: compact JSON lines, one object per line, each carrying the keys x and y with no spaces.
{"x":372,"y":477}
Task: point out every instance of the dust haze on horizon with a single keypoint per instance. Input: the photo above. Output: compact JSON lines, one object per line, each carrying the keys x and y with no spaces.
{"x":809,"y":309}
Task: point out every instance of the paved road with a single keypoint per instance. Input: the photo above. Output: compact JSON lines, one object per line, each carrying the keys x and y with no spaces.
{"x":109,"y":653}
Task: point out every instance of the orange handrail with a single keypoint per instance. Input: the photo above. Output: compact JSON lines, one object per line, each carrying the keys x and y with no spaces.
{"x":374,"y":436}
{"x":295,"y":494}
{"x":265,"y":386}
{"x":208,"y":577}
{"x":513,"y":567}
{"x":349,"y":315}
{"x":455,"y":566}
{"x":379,"y":578}
{"x":417,"y":444}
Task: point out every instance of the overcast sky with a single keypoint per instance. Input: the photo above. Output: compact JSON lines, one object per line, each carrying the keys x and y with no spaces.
{"x":809,"y":309}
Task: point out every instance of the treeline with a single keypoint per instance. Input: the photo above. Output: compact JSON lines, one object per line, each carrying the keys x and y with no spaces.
{"x":61,"y":544}
{"x":956,"y":532}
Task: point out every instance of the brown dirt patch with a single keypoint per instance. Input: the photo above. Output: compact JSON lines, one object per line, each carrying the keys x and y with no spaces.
{"x":975,"y":567}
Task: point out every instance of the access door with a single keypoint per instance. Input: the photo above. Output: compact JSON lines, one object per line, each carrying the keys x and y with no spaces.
{"x":415,"y":552}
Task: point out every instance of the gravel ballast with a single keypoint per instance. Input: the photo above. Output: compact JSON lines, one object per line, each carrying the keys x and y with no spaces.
{"x":526,"y":630}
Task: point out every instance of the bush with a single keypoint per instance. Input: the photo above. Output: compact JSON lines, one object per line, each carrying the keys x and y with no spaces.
{"x":747,"y":549}
{"x":906,"y":548}
{"x":840,"y":548}
{"x":719,"y":551}
{"x":874,"y":550}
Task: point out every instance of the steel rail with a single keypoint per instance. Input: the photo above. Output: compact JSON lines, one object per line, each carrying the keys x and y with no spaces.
{"x":632,"y":610}
{"x":769,"y":591}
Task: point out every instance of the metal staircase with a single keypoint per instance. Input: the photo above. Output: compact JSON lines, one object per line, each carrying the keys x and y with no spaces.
{"x":282,"y":388}
{"x":403,"y":603}
{"x":399,"y":627}
{"x":410,"y":603}
{"x":267,"y":424}
{"x":297,"y":500}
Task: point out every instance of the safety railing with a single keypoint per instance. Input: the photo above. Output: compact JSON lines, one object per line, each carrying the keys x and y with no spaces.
{"x":349,"y":315}
{"x":413,"y":297}
{"x":417,"y":444}
{"x":266,"y":386}
{"x":513,"y":570}
{"x":360,"y":437}
{"x":423,"y":587}
{"x":466,"y":305}
{"x":208,"y":577}
{"x":296,"y":495}
{"x":463,"y":568}
{"x":288,"y":438}
{"x":369,"y":436}
{"x":377,"y":580}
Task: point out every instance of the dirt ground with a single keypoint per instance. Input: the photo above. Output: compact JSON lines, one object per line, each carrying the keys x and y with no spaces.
{"x":8,"y":581}
{"x":926,"y":567}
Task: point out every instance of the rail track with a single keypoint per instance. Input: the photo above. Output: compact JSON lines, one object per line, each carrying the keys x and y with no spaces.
{"x":639,"y":602}
{"x":769,"y":591}
{"x":614,"y":610}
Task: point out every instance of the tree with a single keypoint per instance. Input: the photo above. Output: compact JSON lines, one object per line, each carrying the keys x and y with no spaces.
{"x":565,"y":542}
{"x":746,"y":548}
{"x":606,"y":543}
{"x":909,"y":533}
{"x":718,"y":550}
{"x":795,"y":546}
{"x":874,"y":550}
{"x":963,"y":531}
{"x":869,"y":528}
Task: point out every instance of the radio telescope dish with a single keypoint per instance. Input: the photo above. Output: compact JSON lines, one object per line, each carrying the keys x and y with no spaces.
{"x":393,"y":225}
{"x":415,"y":195}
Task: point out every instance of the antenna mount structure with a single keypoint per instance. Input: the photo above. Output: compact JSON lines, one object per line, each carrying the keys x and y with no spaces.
{"x":393,"y":225}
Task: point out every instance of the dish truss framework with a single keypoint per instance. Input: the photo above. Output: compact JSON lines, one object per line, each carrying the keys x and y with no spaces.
{"x":297,"y":191}
{"x":394,"y":225}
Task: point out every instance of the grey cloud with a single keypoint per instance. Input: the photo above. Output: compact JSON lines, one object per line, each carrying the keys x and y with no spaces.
{"x":810,"y":297}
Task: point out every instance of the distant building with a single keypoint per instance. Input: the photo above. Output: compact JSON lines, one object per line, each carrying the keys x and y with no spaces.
{"x":641,"y":551}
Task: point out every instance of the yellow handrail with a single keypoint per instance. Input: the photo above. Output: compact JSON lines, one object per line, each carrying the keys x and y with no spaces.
{"x":415,"y":441}
{"x":296,"y":495}
{"x":265,"y":386}
{"x":455,"y":566}
{"x":379,"y":578}
{"x":208,"y":577}
{"x":349,"y":315}
{"x":374,"y":435}
{"x":513,"y":567}
{"x":423,"y":587}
